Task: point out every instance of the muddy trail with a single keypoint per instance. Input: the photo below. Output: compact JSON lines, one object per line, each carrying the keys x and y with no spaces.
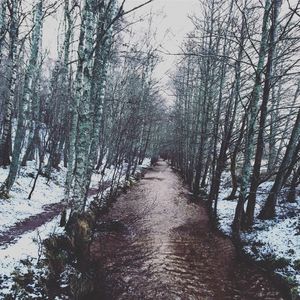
{"x":13,"y":233}
{"x":163,"y":247}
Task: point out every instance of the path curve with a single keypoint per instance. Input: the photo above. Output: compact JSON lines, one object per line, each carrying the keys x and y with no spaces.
{"x":169,"y":250}
{"x":13,"y":233}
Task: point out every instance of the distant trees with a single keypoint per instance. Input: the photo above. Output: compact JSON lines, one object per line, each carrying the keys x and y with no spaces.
{"x":229,"y":110}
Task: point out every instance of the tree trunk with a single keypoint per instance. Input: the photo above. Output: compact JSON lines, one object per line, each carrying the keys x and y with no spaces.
{"x":99,"y":84}
{"x":249,"y":140}
{"x":74,"y":108}
{"x":255,"y":179}
{"x":234,"y":178}
{"x":268,"y":210}
{"x":291,"y":197}
{"x":20,"y":133}
{"x":84,"y":126}
{"x":5,"y":142}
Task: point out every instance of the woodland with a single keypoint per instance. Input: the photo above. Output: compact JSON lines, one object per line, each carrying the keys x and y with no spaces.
{"x":80,"y":129}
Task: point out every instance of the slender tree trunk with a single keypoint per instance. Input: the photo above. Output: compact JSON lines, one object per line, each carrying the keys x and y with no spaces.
{"x":237,"y":146}
{"x":249,"y":143}
{"x":268,"y":210}
{"x":205,"y":104}
{"x":275,"y":100}
{"x":291,"y":197}
{"x":84,"y":126}
{"x":287,"y":123}
{"x":27,"y":91}
{"x":255,"y":180}
{"x":74,"y":107}
{"x":99,"y":84}
{"x":5,"y":142}
{"x":34,"y":128}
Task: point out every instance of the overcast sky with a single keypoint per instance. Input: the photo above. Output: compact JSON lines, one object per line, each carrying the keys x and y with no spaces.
{"x":170,"y":21}
{"x":170,"y":17}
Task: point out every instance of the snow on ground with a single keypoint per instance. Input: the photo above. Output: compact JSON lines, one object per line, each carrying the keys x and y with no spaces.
{"x":18,"y":207}
{"x":108,"y":176}
{"x":109,"y":173}
{"x":276,"y":241}
{"x":27,"y":248}
{"x":226,"y":211}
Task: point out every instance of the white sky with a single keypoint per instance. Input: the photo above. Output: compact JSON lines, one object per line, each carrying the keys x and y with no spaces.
{"x":170,"y":17}
{"x":170,"y":21}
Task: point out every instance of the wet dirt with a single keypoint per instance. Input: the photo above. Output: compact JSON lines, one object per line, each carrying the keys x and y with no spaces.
{"x":169,"y":251}
{"x":13,"y":233}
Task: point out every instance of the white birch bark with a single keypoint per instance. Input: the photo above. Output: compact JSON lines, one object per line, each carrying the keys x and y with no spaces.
{"x":27,"y":92}
{"x":84,"y":124}
{"x":250,"y":133}
{"x":99,"y":82}
{"x":5,"y":142}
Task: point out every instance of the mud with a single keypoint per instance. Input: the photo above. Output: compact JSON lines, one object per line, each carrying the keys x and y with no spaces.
{"x":13,"y":233}
{"x":169,"y":251}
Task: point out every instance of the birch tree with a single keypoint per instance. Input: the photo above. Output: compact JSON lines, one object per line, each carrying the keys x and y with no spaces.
{"x":84,"y":112}
{"x":251,"y":122}
{"x":268,"y":211}
{"x":24,"y":101}
{"x":255,"y":177}
{"x":13,"y":31}
{"x":99,"y":78}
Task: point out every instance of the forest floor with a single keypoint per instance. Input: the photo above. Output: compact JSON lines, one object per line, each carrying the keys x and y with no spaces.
{"x":25,"y":223}
{"x":165,"y":248}
{"x":274,"y":244}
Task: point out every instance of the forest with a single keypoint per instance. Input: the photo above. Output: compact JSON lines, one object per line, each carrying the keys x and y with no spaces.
{"x":122,"y":180}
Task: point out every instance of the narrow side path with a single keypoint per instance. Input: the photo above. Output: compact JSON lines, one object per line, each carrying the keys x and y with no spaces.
{"x":13,"y":233}
{"x":166,"y":250}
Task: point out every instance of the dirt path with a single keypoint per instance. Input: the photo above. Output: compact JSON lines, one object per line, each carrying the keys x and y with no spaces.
{"x":166,"y":250}
{"x":13,"y":233}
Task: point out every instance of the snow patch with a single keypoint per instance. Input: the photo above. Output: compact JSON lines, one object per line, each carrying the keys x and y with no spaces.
{"x":18,"y":207}
{"x":275,"y":240}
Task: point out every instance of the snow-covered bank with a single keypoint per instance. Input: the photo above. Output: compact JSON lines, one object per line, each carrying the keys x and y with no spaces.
{"x":18,"y":207}
{"x":18,"y":260}
{"x":274,"y":241}
{"x":21,"y":258}
{"x":120,"y":180}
